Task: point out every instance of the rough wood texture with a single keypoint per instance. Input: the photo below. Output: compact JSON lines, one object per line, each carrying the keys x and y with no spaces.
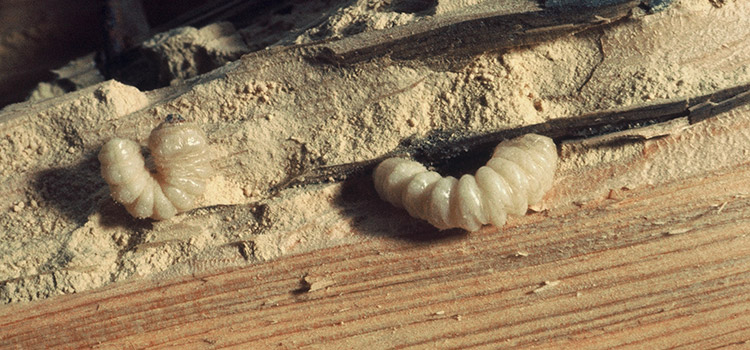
{"x":503,"y":26}
{"x":629,"y":124}
{"x":640,"y":285}
{"x":657,"y":267}
{"x":644,"y":244}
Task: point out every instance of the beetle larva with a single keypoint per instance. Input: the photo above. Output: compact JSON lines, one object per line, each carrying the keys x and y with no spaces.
{"x":181,"y":155}
{"x":519,"y":174}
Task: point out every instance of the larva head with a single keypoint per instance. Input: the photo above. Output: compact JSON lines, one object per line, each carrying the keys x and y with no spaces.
{"x":175,"y":138}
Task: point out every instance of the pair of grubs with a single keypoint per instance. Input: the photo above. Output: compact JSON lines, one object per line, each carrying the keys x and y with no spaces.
{"x":518,"y":175}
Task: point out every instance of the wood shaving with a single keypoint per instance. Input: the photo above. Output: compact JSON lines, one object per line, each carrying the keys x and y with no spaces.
{"x":721,"y":207}
{"x":677,"y":231}
{"x":313,"y":284}
{"x":546,"y":285}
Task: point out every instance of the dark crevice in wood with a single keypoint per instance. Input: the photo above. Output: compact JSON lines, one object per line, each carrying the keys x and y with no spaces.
{"x":602,"y":56}
{"x":472,"y":34}
{"x":443,"y":147}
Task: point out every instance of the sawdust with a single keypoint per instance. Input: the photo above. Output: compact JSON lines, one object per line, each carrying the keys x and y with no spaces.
{"x":269,"y":120}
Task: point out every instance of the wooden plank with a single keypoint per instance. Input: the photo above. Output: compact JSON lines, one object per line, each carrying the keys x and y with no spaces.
{"x":622,"y":281}
{"x":644,"y":244}
{"x":656,"y":266}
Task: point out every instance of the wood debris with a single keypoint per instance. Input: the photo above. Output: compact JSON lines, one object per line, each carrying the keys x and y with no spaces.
{"x":678,"y":231}
{"x":721,"y":207}
{"x":546,"y":285}
{"x":312,"y":284}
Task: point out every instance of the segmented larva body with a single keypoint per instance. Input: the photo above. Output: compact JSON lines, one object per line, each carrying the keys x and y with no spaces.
{"x":181,"y":155}
{"x":519,"y":174}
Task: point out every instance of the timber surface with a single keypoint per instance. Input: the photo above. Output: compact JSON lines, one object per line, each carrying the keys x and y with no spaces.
{"x":658,"y":267}
{"x":654,"y":267}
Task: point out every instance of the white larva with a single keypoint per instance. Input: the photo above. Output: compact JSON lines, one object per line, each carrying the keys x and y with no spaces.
{"x":518,"y":175}
{"x":181,"y":155}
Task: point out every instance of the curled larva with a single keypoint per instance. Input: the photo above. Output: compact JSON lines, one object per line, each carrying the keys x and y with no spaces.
{"x":181,"y":157}
{"x":519,"y":174}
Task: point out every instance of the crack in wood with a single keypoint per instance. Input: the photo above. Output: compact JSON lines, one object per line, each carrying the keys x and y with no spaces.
{"x":591,"y":73}
{"x":663,"y":117}
{"x":473,"y":34}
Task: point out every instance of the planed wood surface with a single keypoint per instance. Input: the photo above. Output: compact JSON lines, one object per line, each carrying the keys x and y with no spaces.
{"x":664,"y":266}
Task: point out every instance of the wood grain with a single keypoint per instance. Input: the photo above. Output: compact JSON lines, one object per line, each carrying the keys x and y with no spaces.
{"x":662,"y":265}
{"x":655,"y":267}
